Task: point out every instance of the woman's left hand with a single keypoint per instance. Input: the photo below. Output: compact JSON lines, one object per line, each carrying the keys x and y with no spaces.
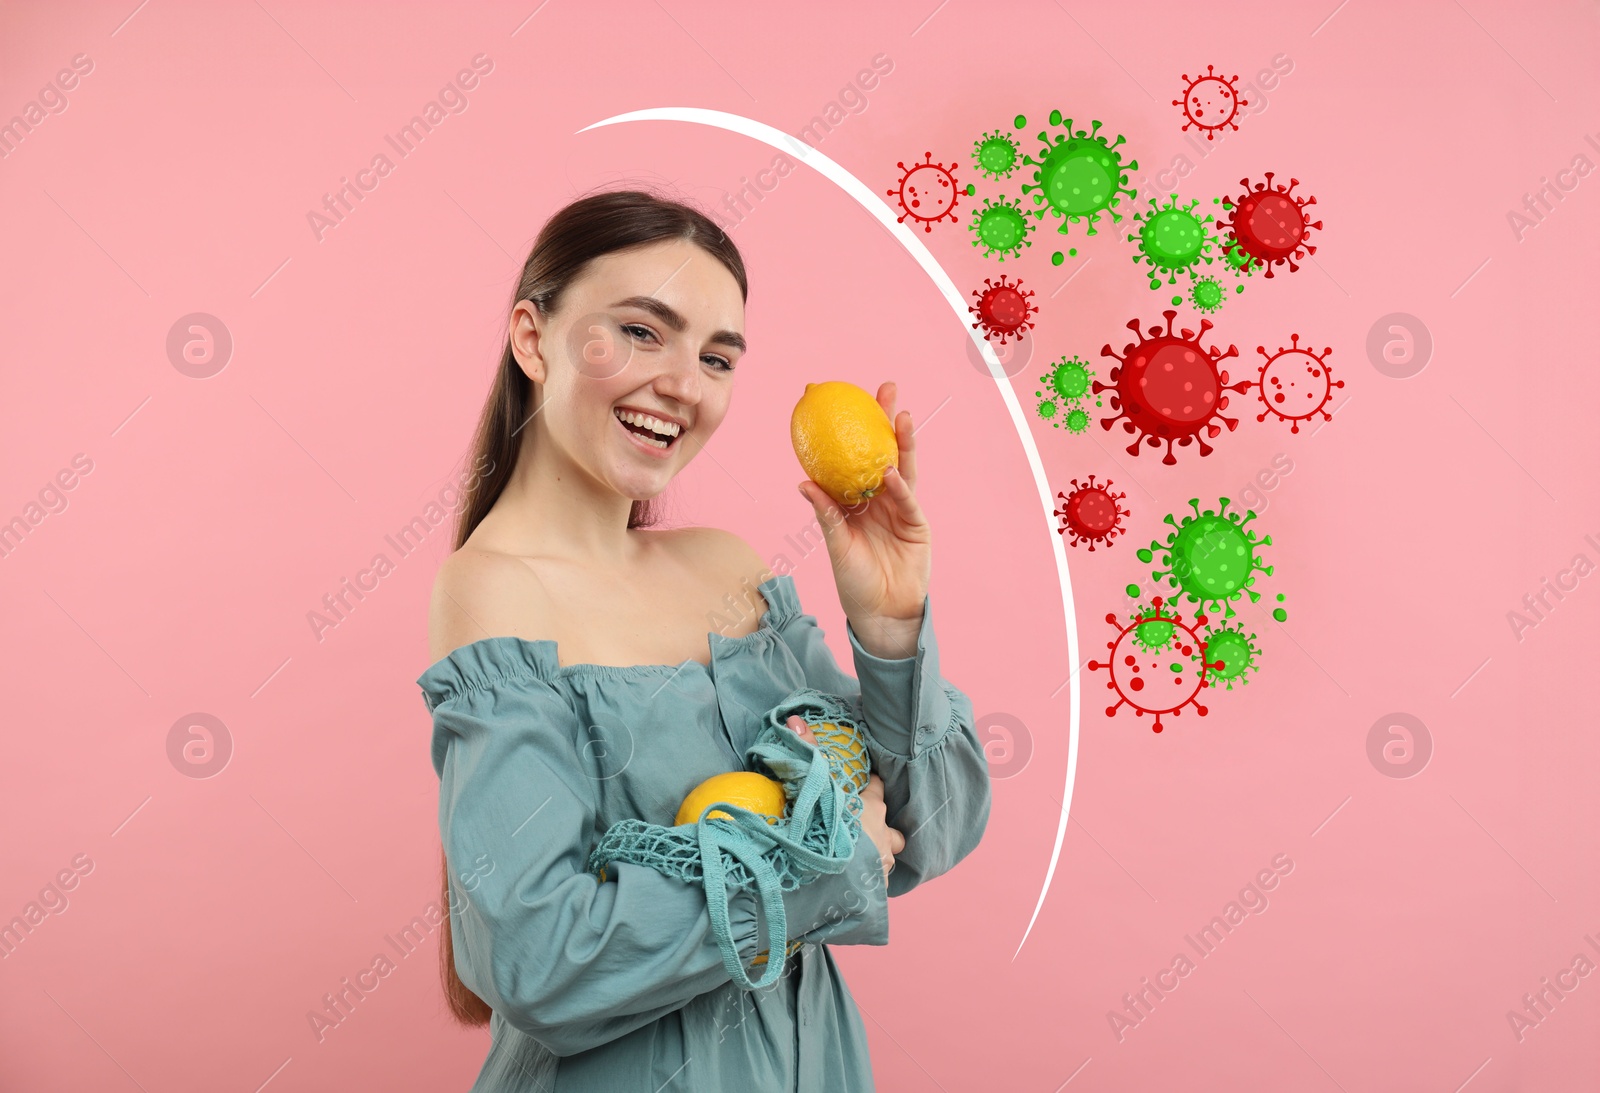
{"x":881,"y":549}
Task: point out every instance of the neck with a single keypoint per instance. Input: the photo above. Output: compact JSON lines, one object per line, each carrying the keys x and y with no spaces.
{"x":564,"y":512}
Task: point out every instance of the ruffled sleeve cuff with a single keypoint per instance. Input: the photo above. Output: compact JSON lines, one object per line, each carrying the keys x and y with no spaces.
{"x":847,"y":908}
{"x":904,"y":701}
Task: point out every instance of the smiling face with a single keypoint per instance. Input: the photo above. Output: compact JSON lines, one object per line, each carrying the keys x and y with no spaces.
{"x":636,"y":363}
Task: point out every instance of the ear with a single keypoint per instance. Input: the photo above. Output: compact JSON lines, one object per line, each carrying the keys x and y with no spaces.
{"x":527,"y":330}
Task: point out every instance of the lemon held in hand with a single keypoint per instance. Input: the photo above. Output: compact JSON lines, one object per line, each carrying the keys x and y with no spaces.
{"x":845,"y":744}
{"x":844,"y":440}
{"x":746,"y":789}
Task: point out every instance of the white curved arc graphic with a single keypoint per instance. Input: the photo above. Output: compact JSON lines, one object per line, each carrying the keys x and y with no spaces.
{"x":876,"y":206}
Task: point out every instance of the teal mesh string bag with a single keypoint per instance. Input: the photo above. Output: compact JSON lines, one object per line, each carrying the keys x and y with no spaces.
{"x":816,"y":835}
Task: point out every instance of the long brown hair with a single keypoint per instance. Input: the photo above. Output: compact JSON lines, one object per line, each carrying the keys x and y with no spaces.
{"x":582,"y":231}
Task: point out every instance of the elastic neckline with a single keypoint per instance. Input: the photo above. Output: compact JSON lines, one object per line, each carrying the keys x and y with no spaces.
{"x":482,"y":662}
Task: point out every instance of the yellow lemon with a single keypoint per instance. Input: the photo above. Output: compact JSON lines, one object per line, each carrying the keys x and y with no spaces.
{"x":844,"y":440}
{"x":747,"y":789}
{"x":845,"y":744}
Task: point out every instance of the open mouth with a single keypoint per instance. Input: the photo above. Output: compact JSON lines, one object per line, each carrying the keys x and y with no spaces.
{"x":651,"y":431}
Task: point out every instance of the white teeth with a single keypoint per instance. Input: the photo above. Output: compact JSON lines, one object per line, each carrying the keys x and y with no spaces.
{"x":654,"y":424}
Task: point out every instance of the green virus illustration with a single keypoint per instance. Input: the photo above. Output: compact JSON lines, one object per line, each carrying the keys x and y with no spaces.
{"x":1152,"y":631}
{"x":1206,"y":294}
{"x":1068,"y":388}
{"x":1230,"y":653}
{"x":1001,"y":228}
{"x":996,"y":154}
{"x":1173,"y":240}
{"x":1153,"y":665}
{"x":1238,"y":261}
{"x":1080,"y":176}
{"x":1211,"y":557}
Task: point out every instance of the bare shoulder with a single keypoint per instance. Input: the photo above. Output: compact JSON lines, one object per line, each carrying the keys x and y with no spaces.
{"x":480,"y":594}
{"x":729,"y":559}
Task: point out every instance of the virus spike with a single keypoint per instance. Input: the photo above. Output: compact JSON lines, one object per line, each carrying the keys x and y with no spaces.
{"x":1295,"y":384}
{"x":1269,"y":224}
{"x":1003,"y":309}
{"x":1169,"y":388}
{"x":1155,"y":646}
{"x":1080,"y":175}
{"x":1210,"y":102}
{"x":1090,"y":514}
{"x":1001,"y":228}
{"x":927,"y":192}
{"x":996,"y":154}
{"x":1172,"y":239}
{"x":1211,"y":557}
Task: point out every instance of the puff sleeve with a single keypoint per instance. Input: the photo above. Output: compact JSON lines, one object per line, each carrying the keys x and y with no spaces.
{"x":923,"y":742}
{"x":568,"y":960}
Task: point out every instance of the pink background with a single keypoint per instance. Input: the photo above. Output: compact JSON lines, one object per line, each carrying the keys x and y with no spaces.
{"x":219,"y":511}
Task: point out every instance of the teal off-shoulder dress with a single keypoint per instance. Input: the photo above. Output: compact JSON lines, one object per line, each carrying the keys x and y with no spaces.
{"x":621,"y":987}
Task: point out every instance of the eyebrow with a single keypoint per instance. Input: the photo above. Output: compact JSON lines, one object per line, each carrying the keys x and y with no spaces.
{"x":669,"y":315}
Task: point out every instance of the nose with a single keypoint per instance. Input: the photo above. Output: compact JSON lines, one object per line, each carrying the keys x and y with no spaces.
{"x":679,"y":378}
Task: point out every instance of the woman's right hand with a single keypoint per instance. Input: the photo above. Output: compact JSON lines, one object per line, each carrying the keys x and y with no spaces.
{"x":888,"y":840}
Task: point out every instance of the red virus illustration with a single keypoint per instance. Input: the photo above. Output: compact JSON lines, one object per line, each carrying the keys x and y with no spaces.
{"x":1003,"y":309}
{"x":1269,"y":224}
{"x":927,"y":192}
{"x":1153,"y":663}
{"x":1169,"y":388}
{"x":1295,"y":384}
{"x":1090,"y":513}
{"x":1210,"y":102}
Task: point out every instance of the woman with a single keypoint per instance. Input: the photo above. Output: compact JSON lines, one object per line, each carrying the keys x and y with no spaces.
{"x":576,"y":684}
